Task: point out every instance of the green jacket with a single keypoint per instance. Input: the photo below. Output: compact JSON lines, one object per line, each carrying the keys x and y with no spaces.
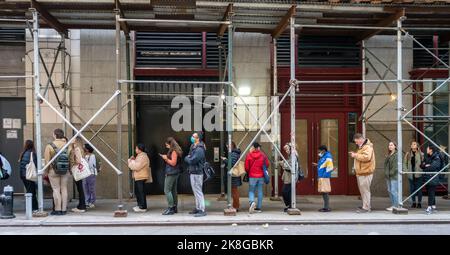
{"x":390,"y":167}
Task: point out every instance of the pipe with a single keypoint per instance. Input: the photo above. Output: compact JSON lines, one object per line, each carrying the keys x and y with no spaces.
{"x":28,"y":206}
{"x":292,"y":92}
{"x":175,"y":82}
{"x":399,"y":111}
{"x":275,"y":128}
{"x":174,"y":21}
{"x":119,"y":114}
{"x":229,"y":110}
{"x":13,"y":77}
{"x":129,"y":127}
{"x":37,"y":109}
{"x":343,"y":27}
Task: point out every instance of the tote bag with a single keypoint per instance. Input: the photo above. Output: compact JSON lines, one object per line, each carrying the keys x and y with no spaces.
{"x":239,"y":170}
{"x":81,"y":171}
{"x":31,"y":173}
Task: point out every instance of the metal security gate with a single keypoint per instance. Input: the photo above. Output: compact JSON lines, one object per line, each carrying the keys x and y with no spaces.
{"x":153,"y":116}
{"x":12,"y":115}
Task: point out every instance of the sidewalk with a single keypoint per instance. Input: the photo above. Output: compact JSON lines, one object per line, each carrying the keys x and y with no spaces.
{"x":343,"y":213}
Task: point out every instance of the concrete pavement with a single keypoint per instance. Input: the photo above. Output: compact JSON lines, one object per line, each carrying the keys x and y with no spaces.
{"x":343,"y":213}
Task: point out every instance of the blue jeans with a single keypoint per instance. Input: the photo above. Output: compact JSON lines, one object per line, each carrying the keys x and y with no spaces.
{"x":256,"y":183}
{"x":392,"y":187}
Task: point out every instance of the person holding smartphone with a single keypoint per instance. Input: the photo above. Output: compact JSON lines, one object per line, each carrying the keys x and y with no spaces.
{"x":140,"y":166}
{"x":172,"y":172}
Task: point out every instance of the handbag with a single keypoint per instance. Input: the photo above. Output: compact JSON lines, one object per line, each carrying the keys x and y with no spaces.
{"x":245,"y":179}
{"x":31,"y":173}
{"x":324,"y":185}
{"x":81,"y":171}
{"x":266,"y":173}
{"x":238,"y":170}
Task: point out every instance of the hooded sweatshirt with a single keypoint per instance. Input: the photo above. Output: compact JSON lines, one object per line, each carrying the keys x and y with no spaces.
{"x":254,"y":164}
{"x":365,"y":159}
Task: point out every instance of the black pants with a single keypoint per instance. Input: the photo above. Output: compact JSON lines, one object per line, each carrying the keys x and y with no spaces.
{"x":30,"y":187}
{"x":287,"y":198}
{"x":81,"y":198}
{"x":139,"y":192}
{"x":431,"y":190}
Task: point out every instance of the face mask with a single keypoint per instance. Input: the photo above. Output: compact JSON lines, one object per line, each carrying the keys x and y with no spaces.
{"x":320,"y":154}
{"x":192,"y":139}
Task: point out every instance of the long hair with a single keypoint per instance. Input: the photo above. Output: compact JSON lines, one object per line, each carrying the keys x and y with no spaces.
{"x":174,"y":146}
{"x":29,"y":145}
{"x":388,"y":151}
{"x":78,"y":143}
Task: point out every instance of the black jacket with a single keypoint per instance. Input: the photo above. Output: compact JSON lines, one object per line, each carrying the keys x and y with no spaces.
{"x":24,"y":162}
{"x":196,"y":158}
{"x":435,"y":165}
{"x":236,"y":181}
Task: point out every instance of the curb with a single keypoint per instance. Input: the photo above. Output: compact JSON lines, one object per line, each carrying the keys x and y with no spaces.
{"x":223,"y":223}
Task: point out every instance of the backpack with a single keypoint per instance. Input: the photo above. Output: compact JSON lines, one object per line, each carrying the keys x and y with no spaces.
{"x":61,"y":164}
{"x":208,"y":172}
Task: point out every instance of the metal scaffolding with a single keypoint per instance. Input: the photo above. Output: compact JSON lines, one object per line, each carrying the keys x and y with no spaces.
{"x":403,"y":115}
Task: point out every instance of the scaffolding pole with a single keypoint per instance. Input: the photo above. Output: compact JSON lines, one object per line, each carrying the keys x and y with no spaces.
{"x":363,"y":69}
{"x":275,"y":129}
{"x":229,"y":111}
{"x":37,"y":112}
{"x":399,"y":118}
{"x":293,"y":210}
{"x":129,"y":115}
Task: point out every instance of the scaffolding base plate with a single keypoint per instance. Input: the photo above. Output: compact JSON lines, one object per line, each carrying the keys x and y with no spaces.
{"x":40,"y":214}
{"x":275,"y":198}
{"x":400,"y":211}
{"x":294,"y":211}
{"x":229,"y":212}
{"x":121,"y":213}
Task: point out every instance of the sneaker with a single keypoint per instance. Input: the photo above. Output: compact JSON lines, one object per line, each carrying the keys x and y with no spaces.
{"x":252,"y":207}
{"x":195,"y":211}
{"x":200,"y":214}
{"x":362,"y":210}
{"x":91,"y":206}
{"x":429,"y":210}
{"x":76,"y":210}
{"x":414,"y":205}
{"x":63,"y":212}
{"x":390,"y":209}
{"x":325,"y":210}
{"x":419,"y":205}
{"x":258,"y":210}
{"x":169,"y":211}
{"x":286,"y":209}
{"x":139,"y":210}
{"x":446,"y":197}
{"x":56,"y":213}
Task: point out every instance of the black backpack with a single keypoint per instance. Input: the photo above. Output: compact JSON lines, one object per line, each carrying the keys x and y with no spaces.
{"x":61,"y":164}
{"x":208,"y":172}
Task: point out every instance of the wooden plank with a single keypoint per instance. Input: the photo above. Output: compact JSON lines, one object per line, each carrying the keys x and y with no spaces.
{"x":123,"y":24}
{"x":284,"y":22}
{"x":226,"y":16}
{"x":383,"y":23}
{"x":50,"y":19}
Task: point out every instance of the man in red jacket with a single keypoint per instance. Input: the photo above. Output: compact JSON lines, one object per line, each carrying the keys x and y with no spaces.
{"x":254,"y":166}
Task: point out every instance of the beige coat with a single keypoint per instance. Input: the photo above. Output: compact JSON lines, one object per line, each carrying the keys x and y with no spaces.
{"x":141,"y":167}
{"x":407,"y":167}
{"x":365,"y":159}
{"x":49,"y":152}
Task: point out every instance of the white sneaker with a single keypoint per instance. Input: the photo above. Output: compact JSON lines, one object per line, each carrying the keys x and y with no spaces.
{"x":252,"y":207}
{"x":429,"y":210}
{"x":139,"y":210}
{"x":390,"y":209}
{"x":91,"y":206}
{"x":76,"y":210}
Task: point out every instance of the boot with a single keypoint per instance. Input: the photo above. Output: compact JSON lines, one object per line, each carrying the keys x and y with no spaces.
{"x":175,"y":209}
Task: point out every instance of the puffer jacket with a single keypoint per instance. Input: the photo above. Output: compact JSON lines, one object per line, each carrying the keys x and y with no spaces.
{"x":141,"y":167}
{"x":254,"y":164}
{"x":24,"y":162}
{"x":365,"y":159}
{"x":435,"y":164}
{"x":196,"y":158}
{"x":390,"y":167}
{"x":287,"y":174}
{"x":407,"y":166}
{"x":236,"y":181}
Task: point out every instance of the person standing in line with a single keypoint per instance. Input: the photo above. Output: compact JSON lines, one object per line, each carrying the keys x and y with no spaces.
{"x":172,"y":171}
{"x":76,"y":154}
{"x":411,"y":163}
{"x":324,"y":168}
{"x":364,"y":163}
{"x":391,"y":175}
{"x":255,"y":163}
{"x":432,"y":163}
{"x":25,"y":159}
{"x":287,"y":176}
{"x":89,"y":182}
{"x":236,"y":181}
{"x":140,"y":167}
{"x":195,"y":161}
{"x":58,"y":172}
